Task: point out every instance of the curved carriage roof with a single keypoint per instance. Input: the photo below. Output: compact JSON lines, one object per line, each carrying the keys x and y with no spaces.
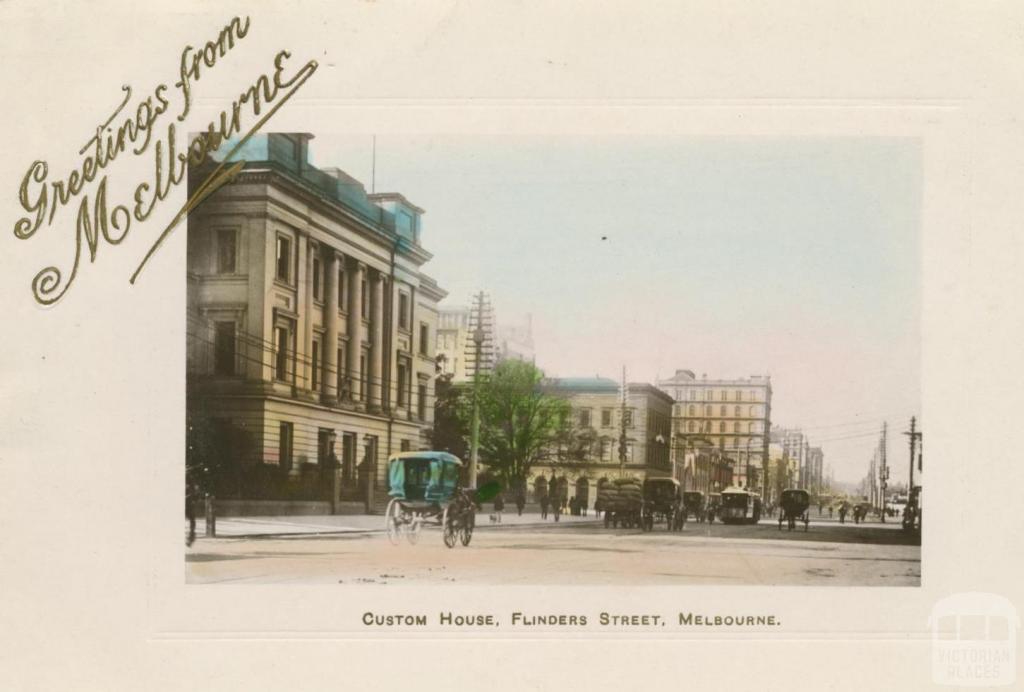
{"x":733,"y":489}
{"x":433,"y":456}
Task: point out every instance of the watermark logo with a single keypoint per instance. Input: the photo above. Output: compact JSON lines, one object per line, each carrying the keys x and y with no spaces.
{"x":974,"y":640}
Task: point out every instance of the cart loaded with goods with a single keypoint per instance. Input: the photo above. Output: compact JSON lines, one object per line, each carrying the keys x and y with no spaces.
{"x":622,"y":501}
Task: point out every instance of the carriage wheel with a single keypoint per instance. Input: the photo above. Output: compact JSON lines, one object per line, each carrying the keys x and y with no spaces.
{"x":448,"y":528}
{"x":412,"y":531}
{"x":468,"y":521}
{"x":392,"y":521}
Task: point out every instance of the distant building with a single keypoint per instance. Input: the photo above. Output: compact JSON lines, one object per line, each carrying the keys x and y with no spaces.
{"x":597,"y":417}
{"x":515,"y":340}
{"x":453,"y":338}
{"x":311,"y":327}
{"x":733,"y":415}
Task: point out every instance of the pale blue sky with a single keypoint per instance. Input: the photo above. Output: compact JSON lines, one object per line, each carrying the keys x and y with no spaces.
{"x":798,"y":258}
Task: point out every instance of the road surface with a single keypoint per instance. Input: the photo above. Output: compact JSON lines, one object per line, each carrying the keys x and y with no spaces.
{"x":573,"y":553}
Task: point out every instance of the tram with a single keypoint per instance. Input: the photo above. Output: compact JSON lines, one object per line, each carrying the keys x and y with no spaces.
{"x":739,"y":506}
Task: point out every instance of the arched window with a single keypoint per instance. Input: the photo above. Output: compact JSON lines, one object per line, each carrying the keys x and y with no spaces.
{"x":752,"y":427}
{"x":690,"y":426}
{"x":736,"y":427}
{"x":692,"y":413}
{"x":721,"y":427}
{"x":736,"y":412}
{"x":753,"y":411}
{"x":722,"y":412}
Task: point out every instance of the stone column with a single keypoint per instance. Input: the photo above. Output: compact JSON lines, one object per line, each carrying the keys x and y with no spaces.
{"x":355,"y":329}
{"x":304,"y":309}
{"x":377,"y":341}
{"x":332,"y":262}
{"x":392,"y":383}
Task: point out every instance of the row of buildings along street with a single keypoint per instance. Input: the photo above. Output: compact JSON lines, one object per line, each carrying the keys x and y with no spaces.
{"x":317,"y":344}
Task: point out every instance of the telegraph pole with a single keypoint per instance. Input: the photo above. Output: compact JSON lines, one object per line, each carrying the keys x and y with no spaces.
{"x":481,"y":351}
{"x":913,"y":448}
{"x":622,"y":428}
{"x":883,"y":471}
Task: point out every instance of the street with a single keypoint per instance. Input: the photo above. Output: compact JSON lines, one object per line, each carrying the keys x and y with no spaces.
{"x":523,"y":551}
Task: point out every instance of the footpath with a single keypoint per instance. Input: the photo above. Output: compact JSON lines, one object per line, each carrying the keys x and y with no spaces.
{"x":315,"y":525}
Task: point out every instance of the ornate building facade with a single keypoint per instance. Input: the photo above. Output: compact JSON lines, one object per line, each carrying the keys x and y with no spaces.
{"x":311,"y":326}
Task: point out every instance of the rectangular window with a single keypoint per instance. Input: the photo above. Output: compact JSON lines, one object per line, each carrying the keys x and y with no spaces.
{"x":281,"y":360}
{"x":403,"y":311}
{"x":606,"y":418}
{"x":421,"y":401}
{"x":424,"y":339}
{"x":403,"y":374}
{"x":406,"y":446}
{"x":284,"y":442}
{"x":284,"y":258}
{"x":584,"y":417}
{"x":226,"y":251}
{"x":316,"y":365}
{"x":224,"y":348}
{"x":317,"y":281}
{"x":628,"y":417}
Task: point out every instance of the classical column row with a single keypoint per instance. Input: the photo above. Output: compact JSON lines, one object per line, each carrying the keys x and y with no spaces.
{"x":364,"y":388}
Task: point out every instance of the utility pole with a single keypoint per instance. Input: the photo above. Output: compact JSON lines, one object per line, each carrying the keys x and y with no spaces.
{"x":479,"y":323}
{"x":914,"y":435}
{"x":622,"y":428}
{"x":883,"y":471}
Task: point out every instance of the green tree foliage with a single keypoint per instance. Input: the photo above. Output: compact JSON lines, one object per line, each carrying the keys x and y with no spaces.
{"x":520,"y":424}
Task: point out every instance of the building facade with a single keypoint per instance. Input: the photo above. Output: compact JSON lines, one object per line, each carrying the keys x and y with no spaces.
{"x":733,"y":416}
{"x":453,"y":338}
{"x":311,"y":326}
{"x":599,"y":419}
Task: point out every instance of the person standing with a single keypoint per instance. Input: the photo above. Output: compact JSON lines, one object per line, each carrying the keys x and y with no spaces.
{"x":520,"y":502}
{"x":499,"y":506}
{"x":544,"y":506}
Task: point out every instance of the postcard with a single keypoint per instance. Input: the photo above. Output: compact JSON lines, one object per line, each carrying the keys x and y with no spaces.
{"x":430,"y":344}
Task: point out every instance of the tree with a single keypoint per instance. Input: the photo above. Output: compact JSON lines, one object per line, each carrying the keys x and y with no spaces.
{"x":519,"y":423}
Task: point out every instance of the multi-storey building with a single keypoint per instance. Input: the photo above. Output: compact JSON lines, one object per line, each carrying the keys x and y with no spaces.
{"x":599,"y":419}
{"x":733,"y":415}
{"x":310,"y":323}
{"x":453,"y":338}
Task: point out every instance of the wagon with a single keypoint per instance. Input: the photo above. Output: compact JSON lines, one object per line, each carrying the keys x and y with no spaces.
{"x":661,"y":501}
{"x":795,"y":504}
{"x":693,"y":503}
{"x":622,"y":502}
{"x":424,"y":489}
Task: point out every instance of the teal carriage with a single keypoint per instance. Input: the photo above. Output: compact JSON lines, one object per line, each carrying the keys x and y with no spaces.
{"x":425,"y":489}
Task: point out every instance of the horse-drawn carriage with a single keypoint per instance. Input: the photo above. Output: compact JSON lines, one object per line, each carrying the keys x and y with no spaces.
{"x":425,"y":489}
{"x":693,"y":503}
{"x":661,"y":501}
{"x":795,"y":504}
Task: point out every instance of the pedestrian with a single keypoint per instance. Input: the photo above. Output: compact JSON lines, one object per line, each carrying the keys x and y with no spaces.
{"x":842,"y":514}
{"x":520,"y":502}
{"x":830,"y":511}
{"x":499,"y":505}
{"x":544,"y":506}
